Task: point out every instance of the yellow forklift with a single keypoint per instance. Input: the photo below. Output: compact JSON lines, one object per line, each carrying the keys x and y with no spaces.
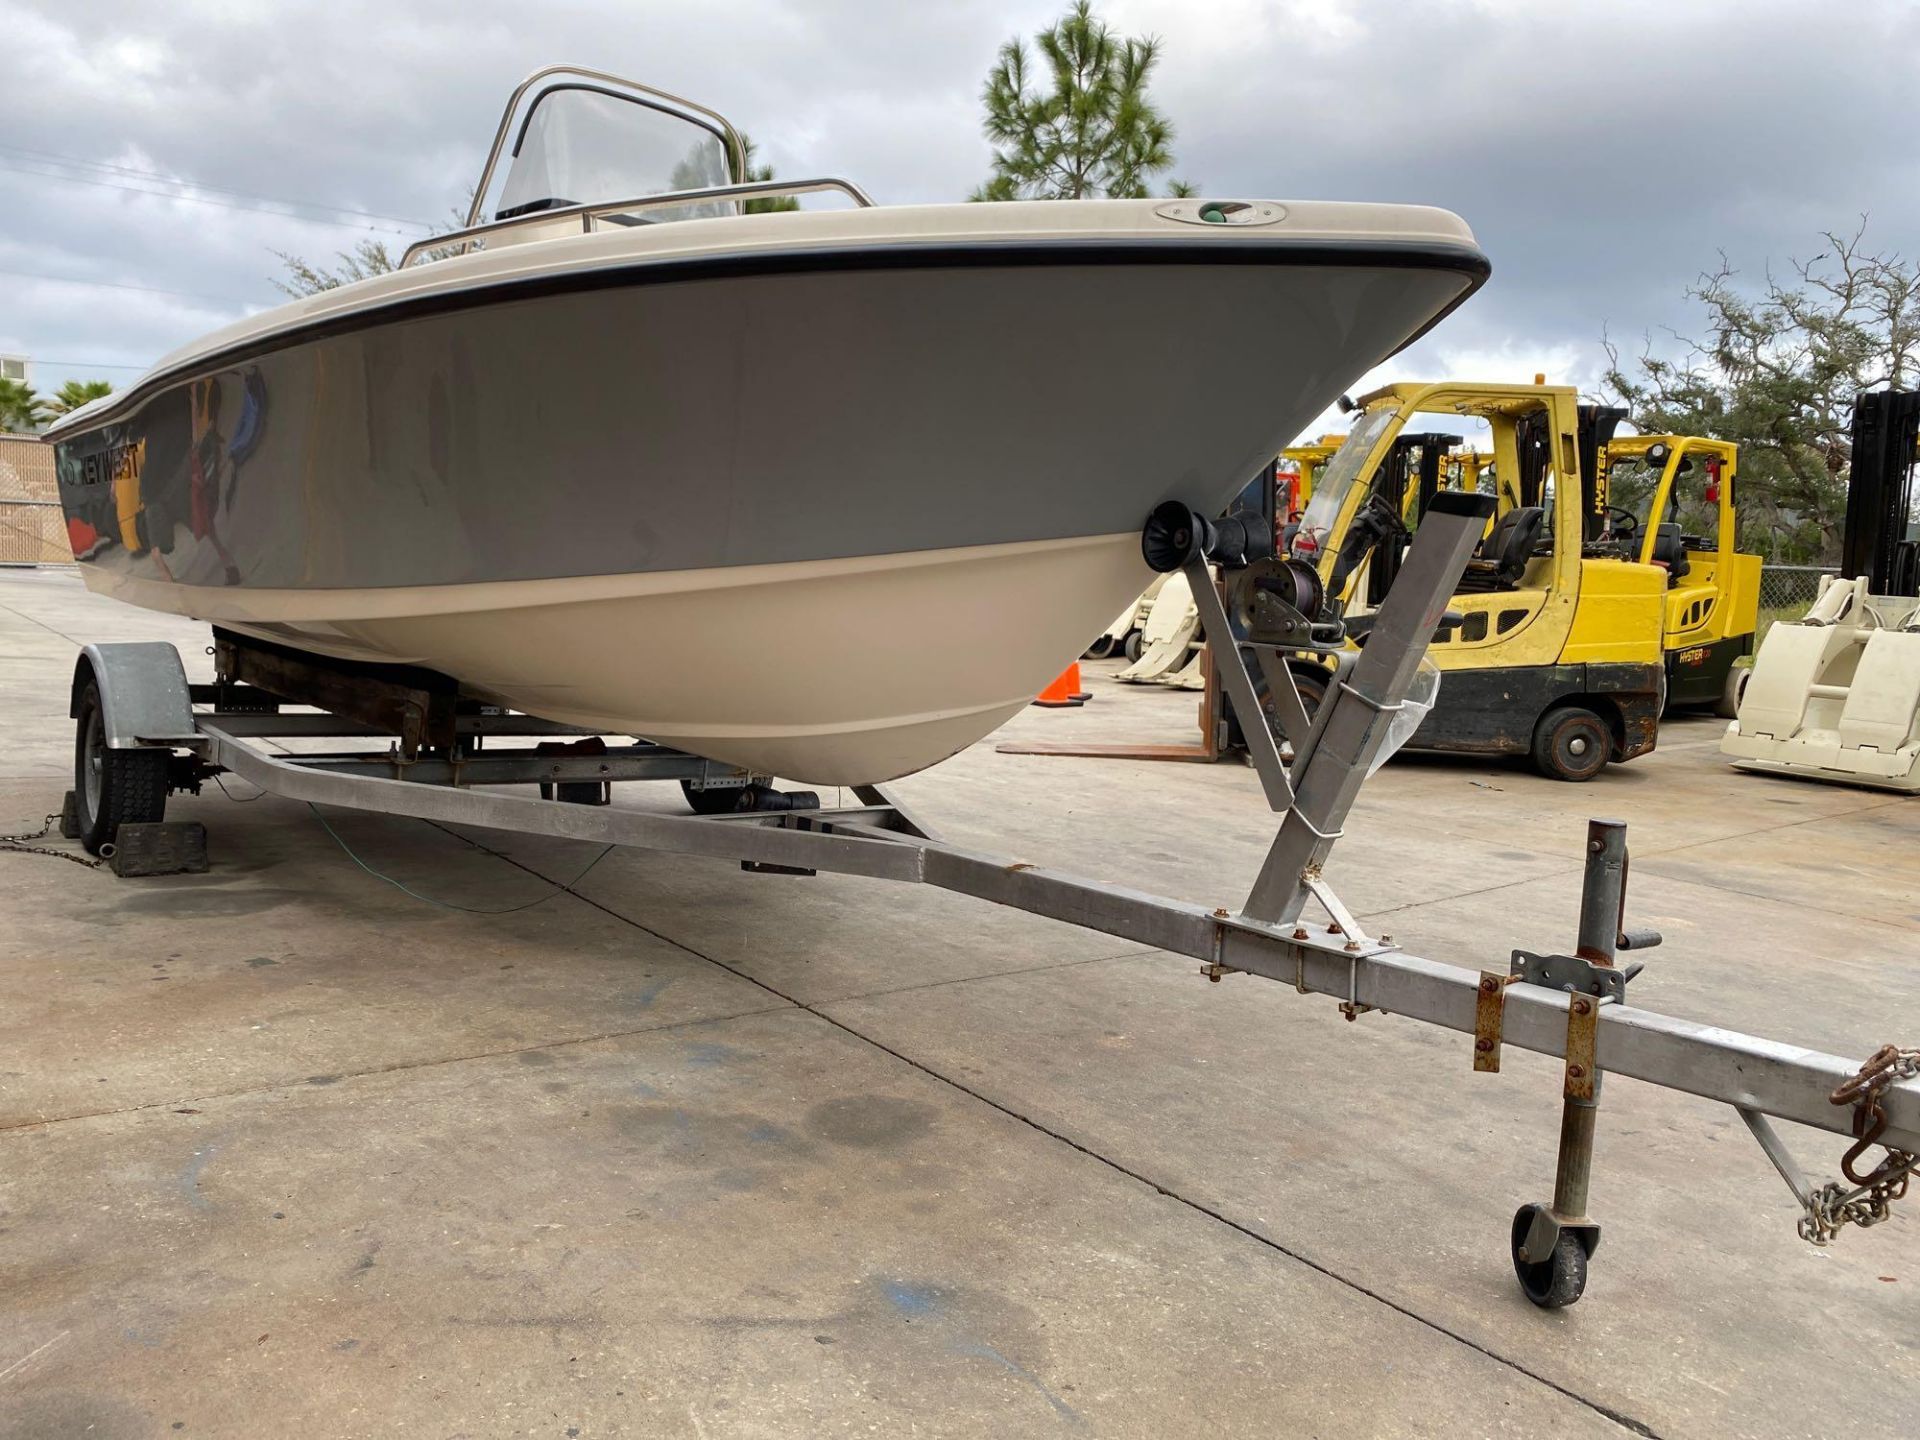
{"x":1671,"y":502}
{"x":1553,"y":647}
{"x":1298,"y":471}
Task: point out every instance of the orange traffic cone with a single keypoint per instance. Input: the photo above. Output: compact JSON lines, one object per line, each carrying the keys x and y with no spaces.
{"x":1064,"y":691}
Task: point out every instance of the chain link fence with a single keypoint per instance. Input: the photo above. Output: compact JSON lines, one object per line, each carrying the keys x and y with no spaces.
{"x":1791,"y":587}
{"x":1786,"y":591}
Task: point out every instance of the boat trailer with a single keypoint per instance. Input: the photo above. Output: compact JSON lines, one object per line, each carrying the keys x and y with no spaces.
{"x":143,"y":730}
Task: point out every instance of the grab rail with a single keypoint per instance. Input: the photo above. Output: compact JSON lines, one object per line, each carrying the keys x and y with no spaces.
{"x":588,"y":213}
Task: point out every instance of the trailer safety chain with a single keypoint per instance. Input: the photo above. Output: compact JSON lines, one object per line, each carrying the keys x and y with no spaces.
{"x":21,"y":845}
{"x":1870,"y":1200}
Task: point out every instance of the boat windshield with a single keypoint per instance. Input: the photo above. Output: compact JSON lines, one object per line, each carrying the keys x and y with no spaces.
{"x":1337,"y":479}
{"x":585,"y":145}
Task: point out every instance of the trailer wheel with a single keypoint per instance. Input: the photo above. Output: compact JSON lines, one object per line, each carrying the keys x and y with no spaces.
{"x":1136,"y":642}
{"x":1557,"y":1281}
{"x":1100,"y":649}
{"x":112,"y":787}
{"x":1571,"y":743}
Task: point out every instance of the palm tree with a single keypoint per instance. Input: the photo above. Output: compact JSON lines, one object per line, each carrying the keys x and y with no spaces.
{"x":75,"y":393}
{"x":20,"y":409}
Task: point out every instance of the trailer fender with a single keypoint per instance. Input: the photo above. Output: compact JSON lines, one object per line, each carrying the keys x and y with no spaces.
{"x":143,"y":691}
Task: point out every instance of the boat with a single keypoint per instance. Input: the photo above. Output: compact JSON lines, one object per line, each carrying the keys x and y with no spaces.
{"x":826,"y":493}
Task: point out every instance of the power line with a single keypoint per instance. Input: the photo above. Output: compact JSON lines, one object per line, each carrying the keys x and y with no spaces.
{"x":137,"y":172}
{"x":121,"y":285}
{"x":209,"y":200}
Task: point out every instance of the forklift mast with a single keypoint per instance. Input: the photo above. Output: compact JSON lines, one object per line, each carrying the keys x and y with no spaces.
{"x":1886,"y":427}
{"x":1597,"y":424}
{"x":1400,"y":473}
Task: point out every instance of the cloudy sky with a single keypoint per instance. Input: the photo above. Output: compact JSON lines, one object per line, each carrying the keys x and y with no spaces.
{"x":1603,"y":150}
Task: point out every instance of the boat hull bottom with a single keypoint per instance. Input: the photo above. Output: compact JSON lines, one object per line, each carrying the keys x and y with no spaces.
{"x":834,"y":672}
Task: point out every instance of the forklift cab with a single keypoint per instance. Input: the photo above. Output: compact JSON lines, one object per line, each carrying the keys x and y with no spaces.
{"x":1297,"y":476}
{"x":1671,"y":504}
{"x":1558,"y":651}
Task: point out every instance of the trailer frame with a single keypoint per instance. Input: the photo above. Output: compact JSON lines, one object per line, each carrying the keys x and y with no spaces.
{"x":1570,"y":1006}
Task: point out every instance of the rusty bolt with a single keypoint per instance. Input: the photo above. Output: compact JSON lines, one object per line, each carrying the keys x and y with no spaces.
{"x":1222,"y":914}
{"x":1581,"y":1005}
{"x":1483,"y":1044}
{"x":1386,"y":939}
{"x":1299,"y":932}
{"x":1576,"y":1071}
{"x":1353,"y":945}
{"x":1333,"y":929}
{"x":1488,"y":985}
{"x":1214,"y":976}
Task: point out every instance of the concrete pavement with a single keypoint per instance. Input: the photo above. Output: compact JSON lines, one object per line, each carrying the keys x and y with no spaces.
{"x":692,"y":1152}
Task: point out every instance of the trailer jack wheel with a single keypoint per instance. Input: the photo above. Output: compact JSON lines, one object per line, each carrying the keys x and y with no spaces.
{"x":112,"y":787}
{"x":1558,"y":1280}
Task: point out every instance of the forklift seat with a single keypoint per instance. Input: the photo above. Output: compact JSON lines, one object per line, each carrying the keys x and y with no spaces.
{"x":1670,"y":550}
{"x":1501,"y":558}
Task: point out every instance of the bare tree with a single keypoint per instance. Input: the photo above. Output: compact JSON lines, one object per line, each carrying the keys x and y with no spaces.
{"x":1776,"y":370}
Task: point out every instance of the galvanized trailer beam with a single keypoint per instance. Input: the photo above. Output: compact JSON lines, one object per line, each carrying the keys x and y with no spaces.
{"x":771,"y":842}
{"x":1352,"y":725}
{"x":299,"y":724}
{"x":517,"y":767}
{"x":1787,"y":1082}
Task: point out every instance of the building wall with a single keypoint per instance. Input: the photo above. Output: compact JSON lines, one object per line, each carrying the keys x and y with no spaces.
{"x":32,"y":530}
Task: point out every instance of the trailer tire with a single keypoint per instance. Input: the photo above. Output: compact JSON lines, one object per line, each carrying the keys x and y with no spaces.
{"x":1571,"y":743}
{"x":1136,"y":642}
{"x":112,"y":787}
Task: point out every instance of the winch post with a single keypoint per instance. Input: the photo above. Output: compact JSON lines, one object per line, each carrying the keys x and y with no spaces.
{"x":1352,"y":724}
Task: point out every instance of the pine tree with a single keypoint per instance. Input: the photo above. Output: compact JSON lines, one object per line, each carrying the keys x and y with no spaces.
{"x":1088,"y":129}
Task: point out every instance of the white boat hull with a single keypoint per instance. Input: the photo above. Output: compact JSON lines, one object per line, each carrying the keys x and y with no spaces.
{"x":832,"y":672}
{"x":827,"y":496}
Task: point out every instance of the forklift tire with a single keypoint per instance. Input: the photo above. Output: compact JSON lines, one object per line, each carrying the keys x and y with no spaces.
{"x":112,"y":787}
{"x":1312,"y":690}
{"x":1136,"y":642}
{"x":1728,"y":707}
{"x":1571,"y":743}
